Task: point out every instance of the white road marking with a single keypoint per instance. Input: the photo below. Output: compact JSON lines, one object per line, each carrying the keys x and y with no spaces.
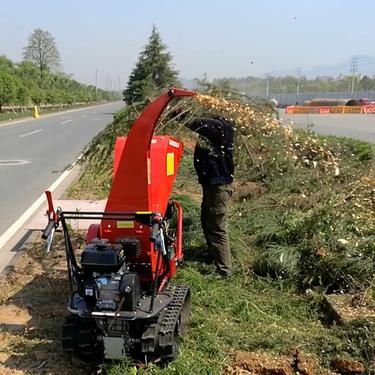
{"x":83,"y":116}
{"x":15,"y":122}
{"x":95,"y":119}
{"x":7,"y":163}
{"x":34,"y":132}
{"x":94,"y":112}
{"x":65,"y":122}
{"x":12,"y":230}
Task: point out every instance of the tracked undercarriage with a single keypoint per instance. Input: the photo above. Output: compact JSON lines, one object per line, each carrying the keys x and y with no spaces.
{"x":121,"y":301}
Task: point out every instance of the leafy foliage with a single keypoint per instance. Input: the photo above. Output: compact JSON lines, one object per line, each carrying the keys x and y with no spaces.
{"x":309,"y":228}
{"x":313,"y":223}
{"x":21,"y":84}
{"x":42,"y":51}
{"x":153,"y":71}
{"x":288,"y":84}
{"x":7,"y":88}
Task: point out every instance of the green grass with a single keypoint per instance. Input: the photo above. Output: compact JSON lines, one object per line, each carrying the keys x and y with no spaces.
{"x":287,"y":246}
{"x":248,"y":312}
{"x":9,"y":116}
{"x":244,"y":313}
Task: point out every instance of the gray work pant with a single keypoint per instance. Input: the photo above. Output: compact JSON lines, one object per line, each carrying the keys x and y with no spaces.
{"x":215,"y":224}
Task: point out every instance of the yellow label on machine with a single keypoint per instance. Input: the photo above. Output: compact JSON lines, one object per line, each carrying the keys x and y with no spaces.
{"x":149,"y":171}
{"x":170,"y":164}
{"x":125,"y":224}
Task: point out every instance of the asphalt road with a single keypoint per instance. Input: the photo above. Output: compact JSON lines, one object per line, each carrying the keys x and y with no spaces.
{"x":357,"y":126}
{"x":34,"y":153}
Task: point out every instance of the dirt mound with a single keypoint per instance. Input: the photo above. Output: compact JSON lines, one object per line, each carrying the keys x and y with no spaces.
{"x":33,"y":306}
{"x":13,"y":318}
{"x":304,"y":364}
{"x":246,"y":363}
{"x":346,"y":308}
{"x":348,"y":367}
{"x":259,"y":363}
{"x":247,"y":190}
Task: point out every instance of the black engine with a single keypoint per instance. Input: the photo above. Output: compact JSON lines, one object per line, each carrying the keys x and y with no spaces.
{"x":102,"y":257}
{"x":106,"y":283}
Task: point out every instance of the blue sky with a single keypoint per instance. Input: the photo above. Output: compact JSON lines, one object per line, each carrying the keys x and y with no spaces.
{"x":219,"y":37}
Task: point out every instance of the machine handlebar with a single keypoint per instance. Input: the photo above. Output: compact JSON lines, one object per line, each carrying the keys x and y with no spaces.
{"x":154,"y":231}
{"x":48,"y":229}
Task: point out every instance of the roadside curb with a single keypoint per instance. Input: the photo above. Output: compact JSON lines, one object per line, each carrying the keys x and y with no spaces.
{"x":19,"y":251}
{"x":52,"y":114}
{"x":16,"y":237}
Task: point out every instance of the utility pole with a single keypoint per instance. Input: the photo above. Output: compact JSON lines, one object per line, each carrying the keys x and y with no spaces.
{"x":353,"y":70}
{"x":299,"y":71}
{"x":119,"y":84}
{"x":96,"y":84}
{"x":268,"y":76}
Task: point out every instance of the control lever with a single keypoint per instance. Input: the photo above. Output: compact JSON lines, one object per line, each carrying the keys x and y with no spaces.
{"x":155,"y":226}
{"x":53,"y":222}
{"x":50,"y":239}
{"x":48,"y":229}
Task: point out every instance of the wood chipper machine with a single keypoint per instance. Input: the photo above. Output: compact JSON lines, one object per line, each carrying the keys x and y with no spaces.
{"x":121,"y":301}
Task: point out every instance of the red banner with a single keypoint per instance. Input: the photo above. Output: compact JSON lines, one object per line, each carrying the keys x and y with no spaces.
{"x":324,"y":110}
{"x":369,"y":109}
{"x":289,"y":110}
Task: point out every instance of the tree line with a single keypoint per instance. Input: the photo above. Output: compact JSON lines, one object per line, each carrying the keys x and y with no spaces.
{"x":37,"y":79}
{"x":154,"y":72}
{"x":288,"y":84}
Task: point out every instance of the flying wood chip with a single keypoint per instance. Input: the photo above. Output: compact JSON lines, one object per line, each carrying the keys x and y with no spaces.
{"x":251,"y":122}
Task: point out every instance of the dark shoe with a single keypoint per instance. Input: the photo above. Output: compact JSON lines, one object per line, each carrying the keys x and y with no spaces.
{"x":223,"y":275}
{"x":205,"y":256}
{"x":209,"y":259}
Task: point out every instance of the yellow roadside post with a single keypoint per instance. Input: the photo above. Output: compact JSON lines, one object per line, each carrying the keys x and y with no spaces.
{"x":35,"y":112}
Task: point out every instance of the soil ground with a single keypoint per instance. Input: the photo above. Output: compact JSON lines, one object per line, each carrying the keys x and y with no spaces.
{"x":33,"y":305}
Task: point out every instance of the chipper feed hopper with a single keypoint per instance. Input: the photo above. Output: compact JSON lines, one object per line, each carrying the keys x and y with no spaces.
{"x":121,"y":301}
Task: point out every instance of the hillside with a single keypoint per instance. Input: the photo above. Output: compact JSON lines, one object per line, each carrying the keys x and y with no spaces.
{"x":301,"y":227}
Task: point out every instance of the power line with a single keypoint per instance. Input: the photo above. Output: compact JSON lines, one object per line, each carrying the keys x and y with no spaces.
{"x":299,"y":71}
{"x":96,"y":84}
{"x":14,"y":22}
{"x":353,"y":70}
{"x":268,"y":76}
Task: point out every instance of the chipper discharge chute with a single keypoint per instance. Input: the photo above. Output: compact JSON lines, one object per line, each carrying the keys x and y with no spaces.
{"x":120,"y":300}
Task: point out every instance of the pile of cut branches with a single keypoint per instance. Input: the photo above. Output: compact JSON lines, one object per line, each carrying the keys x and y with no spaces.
{"x":313,"y":224}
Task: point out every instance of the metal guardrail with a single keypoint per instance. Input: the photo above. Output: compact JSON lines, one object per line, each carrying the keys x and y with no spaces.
{"x":285,"y":99}
{"x":295,"y":109}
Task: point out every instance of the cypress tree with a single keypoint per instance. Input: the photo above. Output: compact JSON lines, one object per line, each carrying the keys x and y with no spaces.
{"x":152,"y":73}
